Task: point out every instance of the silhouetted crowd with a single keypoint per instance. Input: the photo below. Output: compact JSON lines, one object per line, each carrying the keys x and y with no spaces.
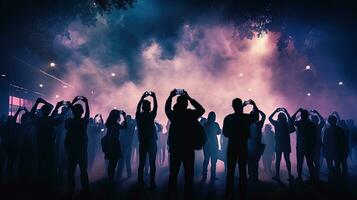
{"x":49,"y":142}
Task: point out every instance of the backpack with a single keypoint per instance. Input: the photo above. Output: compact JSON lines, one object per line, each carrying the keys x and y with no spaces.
{"x":200,"y":137}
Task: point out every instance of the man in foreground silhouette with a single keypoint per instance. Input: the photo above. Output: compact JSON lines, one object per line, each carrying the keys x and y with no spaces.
{"x":145,"y":118}
{"x":181,"y":138}
{"x":236,"y":127}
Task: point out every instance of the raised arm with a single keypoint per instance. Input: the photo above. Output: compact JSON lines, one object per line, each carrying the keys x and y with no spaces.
{"x":198,"y":107}
{"x":255,"y":112}
{"x":321,"y":119}
{"x":271,"y":120}
{"x":101,"y":121}
{"x":293,"y":118}
{"x":263,"y":115}
{"x":17,"y":113}
{"x":55,"y":111}
{"x":87,"y":113}
{"x":125,"y":123}
{"x":337,"y":116}
{"x":168,"y":104}
{"x":138,"y":107}
{"x":154,"y":110}
{"x":34,"y":107}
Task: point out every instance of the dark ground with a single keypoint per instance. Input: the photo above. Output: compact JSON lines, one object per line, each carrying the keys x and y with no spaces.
{"x":127,"y":189}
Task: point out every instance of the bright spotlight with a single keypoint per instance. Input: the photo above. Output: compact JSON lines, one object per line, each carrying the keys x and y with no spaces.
{"x":113,"y":74}
{"x":40,"y":85}
{"x":65,"y":86}
{"x":307,"y":67}
{"x":308,"y":94}
{"x":340,"y":83}
{"x":57,"y":96}
{"x":115,"y":107}
{"x":52,"y":64}
{"x":241,"y":74}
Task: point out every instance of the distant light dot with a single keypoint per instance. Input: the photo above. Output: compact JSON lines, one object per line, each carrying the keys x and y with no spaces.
{"x":65,"y":86}
{"x":241,"y":74}
{"x":3,"y":75}
{"x":102,"y":130}
{"x":307,"y":67}
{"x":308,"y":94}
{"x":113,"y":74}
{"x":57,"y":96}
{"x":340,"y":83}
{"x":115,"y":107}
{"x":52,"y":64}
{"x":40,"y":85}
{"x":92,"y":92}
{"x":250,"y":89}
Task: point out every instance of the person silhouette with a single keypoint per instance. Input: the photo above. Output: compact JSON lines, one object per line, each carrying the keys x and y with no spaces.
{"x":256,"y":148}
{"x":11,"y":144}
{"x":268,"y":155}
{"x":76,"y":143}
{"x":306,"y":134}
{"x":283,"y":127}
{"x":95,"y":127}
{"x":181,"y":139}
{"x":334,"y":146}
{"x":236,"y":127}
{"x":110,"y":142}
{"x":145,"y":119}
{"x":210,"y":149}
{"x":163,"y":144}
{"x":343,"y":146}
{"x":25,"y":147}
{"x":319,"y":122}
{"x":45,"y":122}
{"x":126,"y":138}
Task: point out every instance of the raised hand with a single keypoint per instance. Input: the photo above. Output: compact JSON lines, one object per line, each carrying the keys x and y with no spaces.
{"x":173,"y":93}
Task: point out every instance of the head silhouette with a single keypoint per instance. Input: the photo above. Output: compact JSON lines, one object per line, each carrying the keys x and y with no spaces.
{"x":268,"y":127}
{"x":237,"y":105}
{"x":25,"y":118}
{"x":332,"y":120}
{"x":128,"y":117}
{"x":211,"y":117}
{"x":146,"y":106}
{"x":314,"y":119}
{"x":46,"y":110}
{"x":113,"y":117}
{"x":77,"y":111}
{"x":304,"y":115}
{"x":91,"y":121}
{"x":181,"y":102}
{"x":282,"y":118}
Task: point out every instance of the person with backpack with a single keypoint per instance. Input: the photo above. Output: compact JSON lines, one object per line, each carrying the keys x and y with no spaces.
{"x":181,"y":139}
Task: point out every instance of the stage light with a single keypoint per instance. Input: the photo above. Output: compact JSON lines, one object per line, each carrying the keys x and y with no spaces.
{"x":340,"y":83}
{"x":65,"y":86}
{"x":40,"y":85}
{"x":113,"y":74}
{"x":307,"y":67}
{"x":241,"y":74}
{"x":308,"y":94}
{"x":57,"y":96}
{"x":52,"y":64}
{"x":3,"y":75}
{"x":102,"y":130}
